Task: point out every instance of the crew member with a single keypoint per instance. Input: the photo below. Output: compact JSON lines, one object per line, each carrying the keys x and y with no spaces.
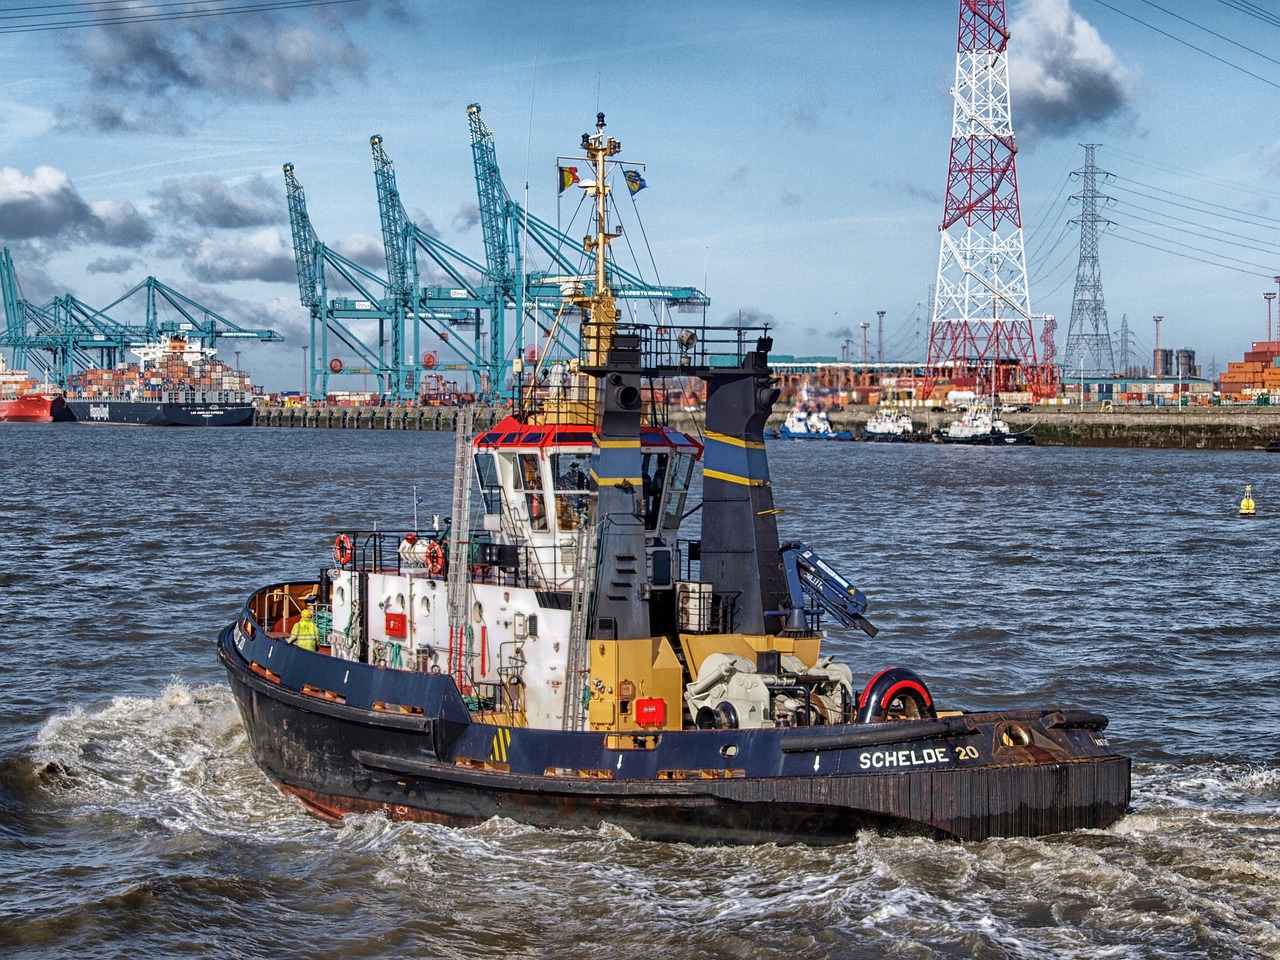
{"x":304,"y":632}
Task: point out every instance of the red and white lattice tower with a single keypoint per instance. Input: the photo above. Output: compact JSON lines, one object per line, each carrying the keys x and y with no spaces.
{"x":981,"y":331}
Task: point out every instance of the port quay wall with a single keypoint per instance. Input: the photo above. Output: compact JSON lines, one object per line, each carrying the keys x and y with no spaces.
{"x":1200,"y":428}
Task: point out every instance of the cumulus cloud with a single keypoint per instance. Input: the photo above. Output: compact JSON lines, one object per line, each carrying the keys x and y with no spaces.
{"x":147,"y":75}
{"x":1062,"y":76}
{"x":118,"y":223}
{"x":212,"y":203}
{"x":262,"y":255}
{"x":467,"y":217}
{"x":44,"y":204}
{"x":47,"y":206}
{"x":364,"y":250}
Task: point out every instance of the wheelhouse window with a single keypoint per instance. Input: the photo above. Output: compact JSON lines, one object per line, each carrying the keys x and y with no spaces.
{"x":528,"y":477}
{"x":572,"y":472}
{"x":653,"y":476}
{"x":490,"y":487}
{"x":681,"y":471}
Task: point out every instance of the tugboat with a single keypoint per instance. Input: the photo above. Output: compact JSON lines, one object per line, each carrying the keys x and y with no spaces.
{"x":808,"y":421}
{"x":890,"y":425}
{"x":569,"y":658}
{"x":982,"y":427}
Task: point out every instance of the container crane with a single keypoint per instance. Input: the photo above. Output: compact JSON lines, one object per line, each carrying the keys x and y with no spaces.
{"x":312,"y":256}
{"x":76,"y":335}
{"x":475,"y":297}
{"x":505,"y":223}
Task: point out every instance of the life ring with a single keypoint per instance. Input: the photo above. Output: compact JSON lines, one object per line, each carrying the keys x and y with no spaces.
{"x":342,"y":549}
{"x":435,"y":557}
{"x":895,"y":684}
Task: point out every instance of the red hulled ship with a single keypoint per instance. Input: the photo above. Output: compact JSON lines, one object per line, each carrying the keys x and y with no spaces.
{"x":24,"y":400}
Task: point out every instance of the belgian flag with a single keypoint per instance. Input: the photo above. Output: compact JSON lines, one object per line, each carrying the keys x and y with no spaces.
{"x":568,"y":177}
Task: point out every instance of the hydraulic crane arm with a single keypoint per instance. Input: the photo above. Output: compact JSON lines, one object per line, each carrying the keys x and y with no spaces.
{"x":808,"y":575}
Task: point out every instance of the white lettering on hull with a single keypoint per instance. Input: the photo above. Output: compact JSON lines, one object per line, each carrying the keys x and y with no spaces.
{"x":892,"y":759}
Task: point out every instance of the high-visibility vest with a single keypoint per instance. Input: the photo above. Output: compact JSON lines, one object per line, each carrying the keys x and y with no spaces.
{"x":304,"y":633}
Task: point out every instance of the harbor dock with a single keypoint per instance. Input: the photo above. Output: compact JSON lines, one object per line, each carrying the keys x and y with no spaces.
{"x":1199,"y":427}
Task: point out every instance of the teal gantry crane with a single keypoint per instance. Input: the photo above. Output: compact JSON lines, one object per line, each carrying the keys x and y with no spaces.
{"x":66,"y":334}
{"x":468,"y":313}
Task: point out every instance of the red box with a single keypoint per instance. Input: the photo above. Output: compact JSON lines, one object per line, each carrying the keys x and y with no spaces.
{"x":396,"y":625}
{"x":651,"y":712}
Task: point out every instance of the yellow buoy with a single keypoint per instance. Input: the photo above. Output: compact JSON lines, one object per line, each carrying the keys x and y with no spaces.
{"x":1247,"y":507}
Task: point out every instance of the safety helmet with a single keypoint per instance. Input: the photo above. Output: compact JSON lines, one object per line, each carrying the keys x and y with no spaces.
{"x":306,"y":614}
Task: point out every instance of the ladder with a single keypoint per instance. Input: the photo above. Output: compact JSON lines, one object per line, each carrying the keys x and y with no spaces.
{"x":578,"y":660}
{"x":459,"y":544}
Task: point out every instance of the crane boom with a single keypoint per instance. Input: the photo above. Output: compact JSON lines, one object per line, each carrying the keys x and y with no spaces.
{"x":393,"y":222}
{"x":304,"y":242}
{"x":808,"y":575}
{"x":493,"y":203}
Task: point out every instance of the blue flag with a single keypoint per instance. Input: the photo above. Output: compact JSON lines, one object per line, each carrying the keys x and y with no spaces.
{"x":635,"y":182}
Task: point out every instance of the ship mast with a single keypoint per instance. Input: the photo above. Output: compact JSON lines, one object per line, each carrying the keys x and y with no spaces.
{"x":597,"y":305}
{"x":599,"y":310}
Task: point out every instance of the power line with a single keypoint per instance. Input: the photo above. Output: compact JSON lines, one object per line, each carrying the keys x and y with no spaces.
{"x":1211,"y":33}
{"x":108,"y":14}
{"x":1252,"y":10}
{"x":1225,"y":233}
{"x":1230,"y":213}
{"x":1187,"y":43}
{"x":1262,"y":271}
{"x":1193,"y":174}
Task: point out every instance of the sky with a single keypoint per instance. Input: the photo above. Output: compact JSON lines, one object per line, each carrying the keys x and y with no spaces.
{"x":795,"y":151}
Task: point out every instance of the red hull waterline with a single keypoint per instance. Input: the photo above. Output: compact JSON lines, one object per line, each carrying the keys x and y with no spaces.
{"x":34,"y":408}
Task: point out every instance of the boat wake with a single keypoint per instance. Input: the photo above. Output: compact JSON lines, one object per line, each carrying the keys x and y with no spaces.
{"x":178,"y":760}
{"x":1190,"y":872}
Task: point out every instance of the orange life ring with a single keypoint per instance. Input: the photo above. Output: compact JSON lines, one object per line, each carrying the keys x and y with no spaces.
{"x":435,"y":557}
{"x":342,"y":549}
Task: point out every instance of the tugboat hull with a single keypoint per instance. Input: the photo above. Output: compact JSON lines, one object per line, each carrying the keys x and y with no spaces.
{"x":954,"y":777}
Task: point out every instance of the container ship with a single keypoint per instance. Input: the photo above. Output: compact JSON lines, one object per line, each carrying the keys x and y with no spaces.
{"x":24,"y":400}
{"x":569,"y":653}
{"x":176,"y":383}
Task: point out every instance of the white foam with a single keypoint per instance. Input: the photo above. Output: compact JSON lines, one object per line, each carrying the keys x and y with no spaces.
{"x":179,"y":759}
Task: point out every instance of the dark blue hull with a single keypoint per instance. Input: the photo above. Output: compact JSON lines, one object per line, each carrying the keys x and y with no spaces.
{"x":348,"y":737}
{"x":157,"y":413}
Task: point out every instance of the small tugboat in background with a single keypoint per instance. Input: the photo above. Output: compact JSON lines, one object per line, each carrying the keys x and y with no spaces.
{"x":24,"y":400}
{"x":891,"y":425}
{"x":809,"y":421}
{"x":568,"y":657}
{"x":982,"y":427}
{"x":177,"y":383}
